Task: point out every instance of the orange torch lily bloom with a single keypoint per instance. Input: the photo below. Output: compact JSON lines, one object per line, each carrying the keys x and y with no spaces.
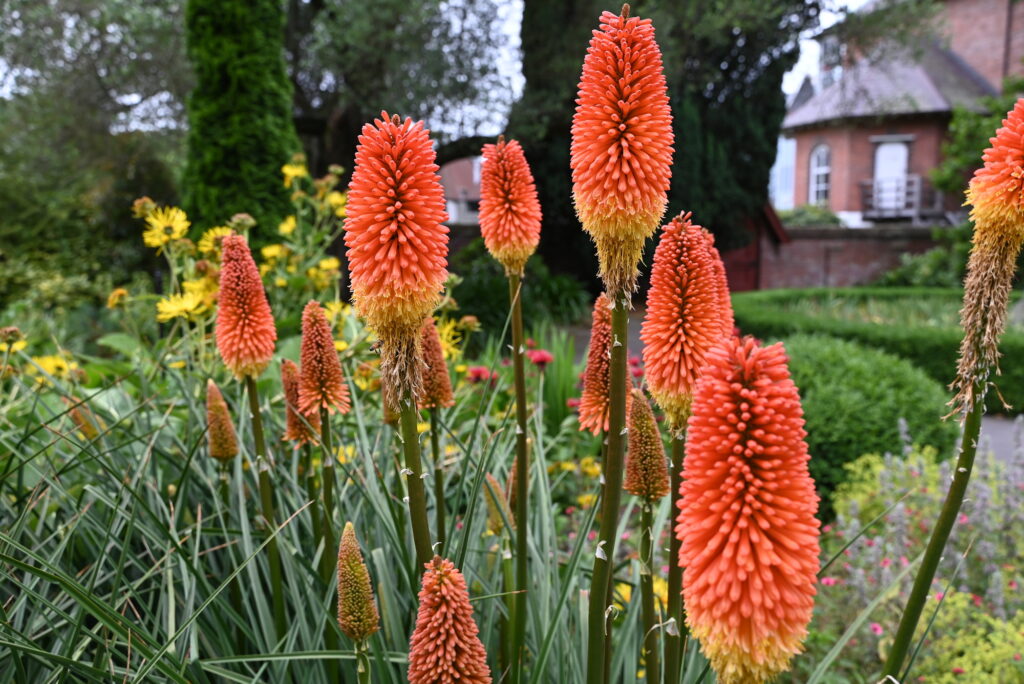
{"x":357,"y":611}
{"x":437,"y":384}
{"x":621,"y":145}
{"x":245,"y":327}
{"x":445,"y":648}
{"x":397,"y":247}
{"x":321,"y":383}
{"x":688,"y":313}
{"x":297,"y":428}
{"x":646,"y":465}
{"x":509,"y":208}
{"x":595,"y":404}
{"x":220,"y":431}
{"x":746,"y":520}
{"x":996,"y":193}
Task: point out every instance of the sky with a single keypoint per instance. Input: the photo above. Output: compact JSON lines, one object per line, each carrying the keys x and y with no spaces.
{"x":807,"y":65}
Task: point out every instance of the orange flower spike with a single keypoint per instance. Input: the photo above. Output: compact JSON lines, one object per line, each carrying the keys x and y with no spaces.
{"x":437,"y":384}
{"x":357,"y":611}
{"x":245,"y":327}
{"x":646,"y":465}
{"x":746,"y":520}
{"x":321,"y":383}
{"x":297,"y":428}
{"x":621,"y":144}
{"x":397,"y":247}
{"x":445,"y":648}
{"x":509,"y":209}
{"x":595,"y":404}
{"x":688,"y":313}
{"x":996,"y":193}
{"x":220,"y":432}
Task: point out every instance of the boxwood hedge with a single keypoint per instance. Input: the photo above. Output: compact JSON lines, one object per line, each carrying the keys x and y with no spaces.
{"x":933,"y":349}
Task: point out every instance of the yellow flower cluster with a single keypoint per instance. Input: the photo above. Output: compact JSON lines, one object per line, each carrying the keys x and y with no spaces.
{"x":58,"y":366}
{"x":163,"y":225}
{"x":185,"y":305}
{"x":293,"y":170}
{"x":209,"y":243}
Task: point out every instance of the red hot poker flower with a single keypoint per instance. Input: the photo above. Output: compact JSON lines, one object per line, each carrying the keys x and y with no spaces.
{"x":357,"y":611}
{"x":688,"y":313}
{"x":595,"y":404}
{"x":245,"y":327}
{"x":220,"y":431}
{"x":297,"y":428}
{"x":746,"y":520}
{"x":397,"y":247}
{"x":437,"y":384}
{"x":621,"y":145}
{"x":509,"y":210}
{"x":445,"y":648}
{"x":646,"y":465}
{"x":321,"y":383}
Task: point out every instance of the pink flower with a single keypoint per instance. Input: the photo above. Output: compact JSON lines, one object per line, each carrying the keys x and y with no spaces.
{"x":1016,"y":656}
{"x":876,"y":628}
{"x":886,"y":562}
{"x":634,"y":360}
{"x":958,"y":670}
{"x":476,"y":374}
{"x":531,"y":343}
{"x":569,"y":510}
{"x":664,"y":569}
{"x":1012,"y":584}
{"x":939,"y":595}
{"x":963,"y":518}
{"x":829,"y":581}
{"x":592,"y":535}
{"x":573,"y":402}
{"x":540,"y":357}
{"x":904,"y":561}
{"x":976,"y":599}
{"x":637,"y":372}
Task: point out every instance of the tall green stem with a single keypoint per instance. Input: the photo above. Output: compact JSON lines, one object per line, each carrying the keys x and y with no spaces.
{"x":674,"y":642}
{"x":362,"y":663}
{"x":612,"y":469}
{"x":326,"y":531}
{"x":310,"y":477}
{"x":267,"y":501}
{"x":235,"y":591}
{"x":414,"y":484}
{"x":435,"y":451}
{"x":937,"y":542}
{"x":652,"y":666}
{"x":522,"y":476}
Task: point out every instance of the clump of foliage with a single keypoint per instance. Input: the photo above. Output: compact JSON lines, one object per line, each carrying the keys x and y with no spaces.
{"x":809,"y":215}
{"x":853,"y":396}
{"x":240,"y":113}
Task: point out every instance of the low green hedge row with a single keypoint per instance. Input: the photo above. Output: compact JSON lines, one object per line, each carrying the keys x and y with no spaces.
{"x":932,"y":349}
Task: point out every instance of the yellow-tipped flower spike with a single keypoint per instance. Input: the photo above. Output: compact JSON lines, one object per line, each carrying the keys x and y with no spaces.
{"x":220,"y":433}
{"x":357,"y":611}
{"x":996,"y":194}
{"x":437,"y":384}
{"x":646,"y":466}
{"x":496,"y":505}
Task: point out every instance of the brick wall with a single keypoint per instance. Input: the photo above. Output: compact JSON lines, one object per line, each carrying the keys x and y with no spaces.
{"x":978,"y":32}
{"x":836,"y":257}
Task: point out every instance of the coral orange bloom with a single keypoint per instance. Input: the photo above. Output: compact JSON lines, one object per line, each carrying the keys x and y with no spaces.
{"x":509,"y":208}
{"x":220,"y":431}
{"x":321,"y":383}
{"x":397,"y":247}
{"x":646,"y":465}
{"x":245,"y":326}
{"x":996,"y":194}
{"x":746,"y":520}
{"x":595,"y":404}
{"x":688,"y":313}
{"x":445,"y":648}
{"x":621,"y":145}
{"x":357,"y":611}
{"x":297,"y":428}
{"x":437,"y":384}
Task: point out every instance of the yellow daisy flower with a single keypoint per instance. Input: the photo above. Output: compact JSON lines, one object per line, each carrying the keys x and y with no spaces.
{"x":586,"y":500}
{"x":54,"y":365}
{"x":13,"y":346}
{"x":274,"y":252}
{"x":280,"y":282}
{"x":288,"y":226}
{"x":293,"y":170}
{"x":205,"y":288}
{"x":163,"y":225}
{"x":340,"y":345}
{"x":329,"y":264}
{"x":590,"y":467}
{"x":184,"y":305}
{"x":209,"y":243}
{"x":116,"y":297}
{"x":336,"y":310}
{"x":448,"y":330}
{"x":337,"y":201}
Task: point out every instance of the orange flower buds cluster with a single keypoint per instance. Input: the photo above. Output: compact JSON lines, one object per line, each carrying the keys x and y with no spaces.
{"x":357,"y":611}
{"x":397,"y":247}
{"x":688,"y":313}
{"x":437,"y":384}
{"x":321,"y":383}
{"x":621,"y":145}
{"x":509,"y":209}
{"x":245,"y":327}
{"x":996,"y":193}
{"x":746,"y":520}
{"x":646,"y":465}
{"x":595,"y":404}
{"x":297,"y":428}
{"x":445,"y":647}
{"x":220,"y":431}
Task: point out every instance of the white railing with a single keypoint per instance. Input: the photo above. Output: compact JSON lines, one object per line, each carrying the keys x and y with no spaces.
{"x":902,"y":197}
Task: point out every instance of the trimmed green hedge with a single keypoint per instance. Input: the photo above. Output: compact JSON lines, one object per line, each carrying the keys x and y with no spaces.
{"x":933,"y":349}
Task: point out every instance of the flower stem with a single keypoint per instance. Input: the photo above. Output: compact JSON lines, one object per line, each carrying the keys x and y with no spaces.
{"x":310,"y":477}
{"x":267,"y":501}
{"x":326,"y":564}
{"x":362,"y":663}
{"x":673,"y":642}
{"x":414,"y":484}
{"x":515,"y":289}
{"x":235,"y":591}
{"x":612,"y":469}
{"x":435,"y":450}
{"x":651,"y":665}
{"x":940,"y":534}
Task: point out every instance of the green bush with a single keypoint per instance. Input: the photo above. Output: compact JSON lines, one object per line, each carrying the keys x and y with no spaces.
{"x":809,"y":215}
{"x":931,"y":348}
{"x":853,"y":397}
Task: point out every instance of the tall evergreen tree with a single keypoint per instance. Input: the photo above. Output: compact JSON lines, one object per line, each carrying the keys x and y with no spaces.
{"x":240,"y":118}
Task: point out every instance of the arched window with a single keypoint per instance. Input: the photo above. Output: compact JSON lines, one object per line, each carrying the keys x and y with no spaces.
{"x":820,"y":174}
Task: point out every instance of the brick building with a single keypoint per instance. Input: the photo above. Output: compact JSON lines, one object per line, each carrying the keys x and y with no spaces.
{"x":867,"y":136}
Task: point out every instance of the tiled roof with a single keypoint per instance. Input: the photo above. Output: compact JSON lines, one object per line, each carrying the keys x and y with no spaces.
{"x":933,"y":82}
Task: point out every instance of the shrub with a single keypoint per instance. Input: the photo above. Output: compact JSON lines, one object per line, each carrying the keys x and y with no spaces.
{"x":809,"y":215}
{"x":932,"y":348}
{"x":853,"y":396}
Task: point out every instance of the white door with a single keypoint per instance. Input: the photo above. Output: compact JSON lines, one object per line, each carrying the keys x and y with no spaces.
{"x":891,"y":176}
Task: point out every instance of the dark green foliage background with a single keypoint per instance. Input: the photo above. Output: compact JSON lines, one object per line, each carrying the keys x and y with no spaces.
{"x":852,"y":398}
{"x":240,"y":117}
{"x":930,"y":348}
